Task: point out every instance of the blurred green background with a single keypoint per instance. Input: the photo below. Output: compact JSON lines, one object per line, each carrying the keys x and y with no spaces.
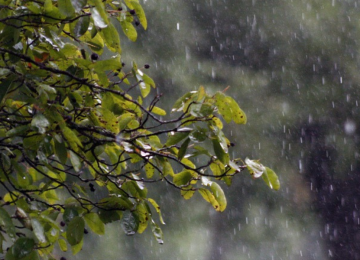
{"x":293,"y":66}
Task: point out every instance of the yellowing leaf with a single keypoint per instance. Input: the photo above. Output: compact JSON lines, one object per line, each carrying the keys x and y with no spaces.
{"x":159,"y":111}
{"x":219,"y":195}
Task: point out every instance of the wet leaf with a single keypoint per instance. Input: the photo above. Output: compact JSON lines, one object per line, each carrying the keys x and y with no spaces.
{"x":99,"y":15}
{"x":157,"y":232}
{"x":255,"y":168}
{"x":81,"y":26}
{"x":38,"y":229}
{"x":40,"y":123}
{"x":129,"y":223}
{"x":78,"y":4}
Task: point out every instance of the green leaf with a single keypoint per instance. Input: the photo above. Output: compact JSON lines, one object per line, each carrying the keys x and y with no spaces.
{"x":6,"y":223}
{"x":167,"y":169}
{"x":158,"y":111}
{"x":22,"y":247}
{"x":135,"y":189}
{"x":76,"y":248}
{"x":75,"y":231}
{"x":72,"y":138}
{"x":95,"y":223}
{"x":81,"y":26}
{"x":110,"y":64}
{"x":148,"y":80}
{"x":183,"y":148}
{"x":187,"y":192}
{"x":125,"y":119}
{"x":209,"y":197}
{"x":182,"y":178}
{"x":99,"y":15}
{"x":95,"y":43}
{"x":33,"y":142}
{"x":140,"y":13}
{"x":75,"y":161}
{"x":112,"y":38}
{"x":129,"y":223}
{"x":129,"y":30}
{"x":108,"y":216}
{"x":33,"y":255}
{"x":78,"y":4}
{"x":38,"y":229}
{"x":5,"y":86}
{"x":219,"y":151}
{"x":18,"y":131}
{"x":61,"y":151}
{"x":176,"y":137}
{"x":180,"y":102}
{"x":69,"y":214}
{"x":66,"y":8}
{"x":217,"y":168}
{"x":62,"y":245}
{"x":271,"y":179}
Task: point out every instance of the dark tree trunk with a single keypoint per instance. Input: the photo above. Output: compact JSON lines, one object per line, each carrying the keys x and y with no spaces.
{"x":336,"y":200}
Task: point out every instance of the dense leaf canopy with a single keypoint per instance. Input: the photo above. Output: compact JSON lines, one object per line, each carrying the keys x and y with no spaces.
{"x":81,"y":136}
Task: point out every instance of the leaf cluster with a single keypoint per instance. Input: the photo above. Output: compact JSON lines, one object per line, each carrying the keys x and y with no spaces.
{"x":78,"y":145}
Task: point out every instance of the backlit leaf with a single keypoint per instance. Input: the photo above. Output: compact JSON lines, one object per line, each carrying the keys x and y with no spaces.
{"x":271,"y":179}
{"x":95,"y":223}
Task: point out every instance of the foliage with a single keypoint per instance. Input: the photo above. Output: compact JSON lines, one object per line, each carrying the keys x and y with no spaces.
{"x":76,"y":149}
